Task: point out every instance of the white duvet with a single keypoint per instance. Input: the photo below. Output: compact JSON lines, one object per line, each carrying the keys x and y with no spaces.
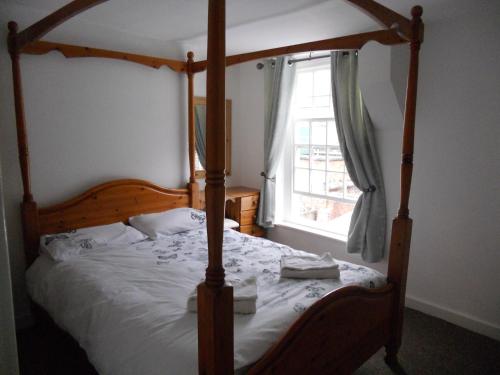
{"x":126,"y":306}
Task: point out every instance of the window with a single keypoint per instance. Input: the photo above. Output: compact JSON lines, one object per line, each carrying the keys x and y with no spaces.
{"x":318,"y":191}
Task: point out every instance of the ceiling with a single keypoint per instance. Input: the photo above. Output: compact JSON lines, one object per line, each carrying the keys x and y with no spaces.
{"x":180,"y":25}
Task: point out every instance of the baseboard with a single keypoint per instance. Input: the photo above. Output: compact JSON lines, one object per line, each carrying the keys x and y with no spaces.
{"x":469,"y":322}
{"x":24,"y":321}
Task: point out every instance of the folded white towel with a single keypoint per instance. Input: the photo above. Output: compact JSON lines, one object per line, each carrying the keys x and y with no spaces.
{"x":309,"y":266}
{"x":244,"y":296}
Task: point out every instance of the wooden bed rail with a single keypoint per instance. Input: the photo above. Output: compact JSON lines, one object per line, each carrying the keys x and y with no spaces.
{"x":385,"y":16}
{"x":386,"y":37}
{"x":333,"y":336}
{"x":72,"y":51}
{"x":42,"y":27}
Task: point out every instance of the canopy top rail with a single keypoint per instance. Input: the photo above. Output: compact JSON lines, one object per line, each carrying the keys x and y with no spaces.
{"x":71,"y":51}
{"x":19,"y":40}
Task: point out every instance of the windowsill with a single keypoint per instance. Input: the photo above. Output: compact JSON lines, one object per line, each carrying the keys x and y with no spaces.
{"x":311,"y":230}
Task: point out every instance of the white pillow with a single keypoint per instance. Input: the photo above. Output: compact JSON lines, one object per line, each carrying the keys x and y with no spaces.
{"x":169,"y":222}
{"x":62,"y":246}
{"x":230,"y":224}
{"x":173,"y":221}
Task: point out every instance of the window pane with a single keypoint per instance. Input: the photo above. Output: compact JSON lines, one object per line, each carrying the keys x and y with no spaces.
{"x":326,"y":214}
{"x":302,"y":132}
{"x":321,"y":101}
{"x":335,"y":160}
{"x":304,"y":89}
{"x":302,"y":156}
{"x":333,"y":139}
{"x":318,"y":157}
{"x":318,"y":184}
{"x":301,"y":180}
{"x":352,"y":192}
{"x":335,"y":182}
{"x":322,"y":83}
{"x":322,"y":194}
{"x":318,"y":132}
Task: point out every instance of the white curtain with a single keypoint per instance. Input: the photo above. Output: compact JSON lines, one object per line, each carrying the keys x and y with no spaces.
{"x":279,"y":86}
{"x":367,"y":230}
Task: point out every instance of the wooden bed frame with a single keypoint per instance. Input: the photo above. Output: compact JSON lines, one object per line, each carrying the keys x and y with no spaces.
{"x":335,"y":335}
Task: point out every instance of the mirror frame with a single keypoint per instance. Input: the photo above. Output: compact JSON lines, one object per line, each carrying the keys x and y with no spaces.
{"x":201,"y":100}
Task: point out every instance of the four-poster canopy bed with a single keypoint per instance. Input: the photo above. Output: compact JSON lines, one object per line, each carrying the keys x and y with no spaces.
{"x":331,"y":336}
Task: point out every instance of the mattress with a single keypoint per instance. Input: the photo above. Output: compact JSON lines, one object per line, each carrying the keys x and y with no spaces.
{"x":126,"y":306}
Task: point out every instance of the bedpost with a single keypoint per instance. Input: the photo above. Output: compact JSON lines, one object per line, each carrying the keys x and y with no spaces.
{"x":402,"y":224}
{"x":215,"y":299}
{"x":29,"y":211}
{"x":193,"y":184}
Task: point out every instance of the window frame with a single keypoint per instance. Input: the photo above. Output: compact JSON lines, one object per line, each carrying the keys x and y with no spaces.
{"x":288,"y":166}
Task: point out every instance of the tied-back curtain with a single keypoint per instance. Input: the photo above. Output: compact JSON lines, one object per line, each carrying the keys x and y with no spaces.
{"x":280,"y":77}
{"x":367,"y":230}
{"x":200,"y":116}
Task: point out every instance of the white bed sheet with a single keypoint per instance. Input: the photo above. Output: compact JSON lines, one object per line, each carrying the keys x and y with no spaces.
{"x":126,"y":306}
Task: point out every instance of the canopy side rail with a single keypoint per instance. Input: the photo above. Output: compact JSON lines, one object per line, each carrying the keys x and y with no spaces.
{"x":42,"y":27}
{"x":385,"y":16}
{"x":356,"y":41}
{"x":73,"y":51}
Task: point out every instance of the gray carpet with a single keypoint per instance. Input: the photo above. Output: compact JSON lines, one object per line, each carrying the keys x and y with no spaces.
{"x":434,"y":347}
{"x":430,"y":346}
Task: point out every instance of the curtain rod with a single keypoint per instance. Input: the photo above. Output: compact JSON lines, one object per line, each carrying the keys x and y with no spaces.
{"x":293,"y":61}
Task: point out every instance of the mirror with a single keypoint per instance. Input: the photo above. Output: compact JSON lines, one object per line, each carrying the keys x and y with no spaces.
{"x":200,"y":110}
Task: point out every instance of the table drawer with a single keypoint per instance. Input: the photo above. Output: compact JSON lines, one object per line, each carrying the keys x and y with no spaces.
{"x":249,"y":203}
{"x":253,"y":230}
{"x":248,"y":217}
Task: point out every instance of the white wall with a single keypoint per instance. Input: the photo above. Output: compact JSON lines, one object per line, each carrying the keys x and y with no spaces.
{"x":89,"y":121}
{"x":456,"y":243}
{"x":455,"y":251}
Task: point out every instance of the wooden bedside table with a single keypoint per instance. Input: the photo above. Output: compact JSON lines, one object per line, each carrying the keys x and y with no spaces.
{"x":241,"y":206}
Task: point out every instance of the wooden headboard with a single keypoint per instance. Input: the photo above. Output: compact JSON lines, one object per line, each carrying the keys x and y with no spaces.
{"x":103,"y":204}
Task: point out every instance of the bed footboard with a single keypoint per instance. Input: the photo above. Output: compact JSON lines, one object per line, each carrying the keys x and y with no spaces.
{"x":335,"y":335}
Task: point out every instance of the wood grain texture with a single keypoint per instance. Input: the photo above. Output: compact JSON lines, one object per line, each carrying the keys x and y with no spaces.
{"x":109,"y":203}
{"x":191,"y":123}
{"x":215,"y":299}
{"x":386,"y":37}
{"x":384,"y":16}
{"x":241,"y":205}
{"x":42,"y":27}
{"x":333,"y":336}
{"x":399,"y":251}
{"x":72,"y":51}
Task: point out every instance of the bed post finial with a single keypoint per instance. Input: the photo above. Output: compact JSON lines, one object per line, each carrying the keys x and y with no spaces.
{"x":402,"y":225}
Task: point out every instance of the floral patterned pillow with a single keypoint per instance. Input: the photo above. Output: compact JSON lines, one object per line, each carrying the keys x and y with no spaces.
{"x":63,"y":246}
